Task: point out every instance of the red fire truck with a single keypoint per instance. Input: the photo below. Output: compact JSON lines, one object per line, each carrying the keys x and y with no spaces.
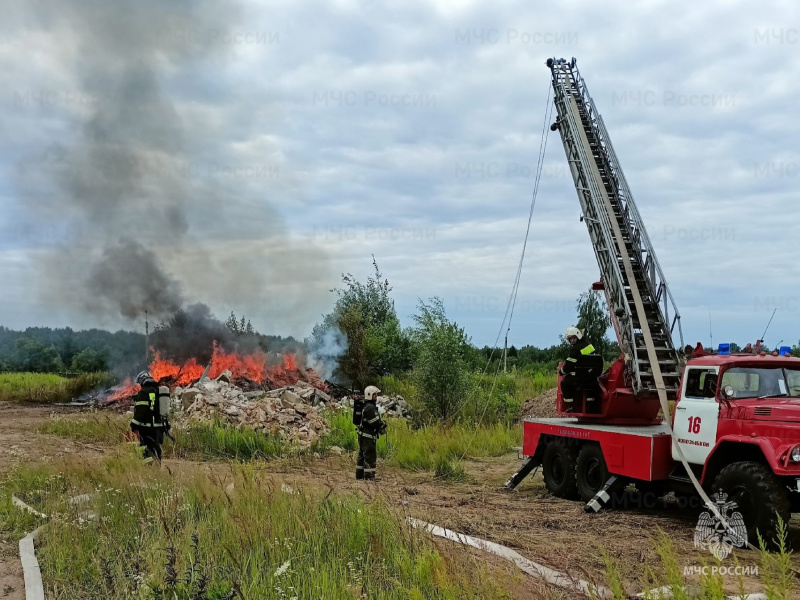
{"x":735,"y":417}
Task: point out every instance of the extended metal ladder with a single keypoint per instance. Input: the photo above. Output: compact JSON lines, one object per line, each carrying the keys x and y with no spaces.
{"x":643,"y":310}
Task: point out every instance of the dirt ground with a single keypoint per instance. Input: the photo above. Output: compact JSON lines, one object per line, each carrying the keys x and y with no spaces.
{"x":553,"y":532}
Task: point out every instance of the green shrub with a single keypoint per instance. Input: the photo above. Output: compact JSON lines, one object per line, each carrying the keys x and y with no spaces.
{"x":441,"y":371}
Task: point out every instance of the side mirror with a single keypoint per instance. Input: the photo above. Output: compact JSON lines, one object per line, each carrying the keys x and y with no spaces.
{"x":727,"y":391}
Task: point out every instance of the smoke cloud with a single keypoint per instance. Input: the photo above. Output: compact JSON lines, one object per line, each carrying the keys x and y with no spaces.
{"x":130,"y":280}
{"x":131,"y":176}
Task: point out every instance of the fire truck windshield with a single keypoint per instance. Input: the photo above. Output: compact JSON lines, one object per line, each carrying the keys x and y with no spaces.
{"x":745,"y":382}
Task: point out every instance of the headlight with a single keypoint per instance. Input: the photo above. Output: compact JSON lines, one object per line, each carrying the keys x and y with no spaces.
{"x":795,"y":454}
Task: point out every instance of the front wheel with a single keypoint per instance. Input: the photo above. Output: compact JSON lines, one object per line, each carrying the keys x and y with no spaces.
{"x":759,"y":497}
{"x":591,"y":471}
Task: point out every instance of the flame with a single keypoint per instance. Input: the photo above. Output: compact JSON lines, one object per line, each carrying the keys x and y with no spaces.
{"x":184,"y":375}
{"x":250,"y":366}
{"x":254,"y":367}
{"x":124,"y":390}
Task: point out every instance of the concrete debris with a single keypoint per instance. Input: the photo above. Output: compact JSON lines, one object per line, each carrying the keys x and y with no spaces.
{"x":293,"y":411}
{"x":389,"y":406}
{"x":297,"y":422}
{"x":226,"y":376}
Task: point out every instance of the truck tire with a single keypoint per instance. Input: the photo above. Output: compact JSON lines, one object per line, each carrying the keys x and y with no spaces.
{"x":759,"y":497}
{"x":591,"y":472}
{"x":558,"y":469}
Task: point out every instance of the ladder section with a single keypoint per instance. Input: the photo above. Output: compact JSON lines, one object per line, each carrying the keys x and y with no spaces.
{"x":643,"y":311}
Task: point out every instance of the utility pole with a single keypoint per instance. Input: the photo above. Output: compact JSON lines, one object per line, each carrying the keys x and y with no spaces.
{"x":505,"y":355}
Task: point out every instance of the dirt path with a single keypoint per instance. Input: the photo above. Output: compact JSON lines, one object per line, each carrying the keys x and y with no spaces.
{"x":20,"y":442}
{"x":545,"y":529}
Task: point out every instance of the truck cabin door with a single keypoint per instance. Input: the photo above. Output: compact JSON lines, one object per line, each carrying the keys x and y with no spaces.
{"x":697,"y":414}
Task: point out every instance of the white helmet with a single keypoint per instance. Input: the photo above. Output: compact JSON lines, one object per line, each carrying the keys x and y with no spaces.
{"x":573,"y":331}
{"x":370,"y":391}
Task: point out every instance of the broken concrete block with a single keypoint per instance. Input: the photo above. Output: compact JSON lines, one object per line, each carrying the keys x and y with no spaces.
{"x":225,"y":376}
{"x":188,"y":397}
{"x":290,"y":397}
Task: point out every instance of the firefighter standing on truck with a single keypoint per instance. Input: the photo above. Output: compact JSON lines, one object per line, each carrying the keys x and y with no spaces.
{"x":370,"y":427}
{"x":579,"y":348}
{"x":148,"y":421}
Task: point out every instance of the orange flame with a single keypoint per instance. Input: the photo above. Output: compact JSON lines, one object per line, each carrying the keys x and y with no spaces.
{"x":253,"y":366}
{"x":124,"y":390}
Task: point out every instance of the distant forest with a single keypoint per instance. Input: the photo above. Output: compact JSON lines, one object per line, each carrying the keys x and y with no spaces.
{"x":188,"y":333}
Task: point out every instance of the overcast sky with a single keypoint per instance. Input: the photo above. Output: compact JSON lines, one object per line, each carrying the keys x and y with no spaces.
{"x":261,"y":149}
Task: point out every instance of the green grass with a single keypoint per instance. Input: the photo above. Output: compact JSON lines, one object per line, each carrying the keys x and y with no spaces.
{"x":394,"y":385}
{"x":215,"y":441}
{"x":442,"y":450}
{"x":233,"y":535}
{"x":437,"y":449}
{"x":342,"y":432}
{"x":46,"y":388}
{"x":533,"y":385}
{"x":776,"y":573}
{"x":103,"y":428}
{"x":212,"y":441}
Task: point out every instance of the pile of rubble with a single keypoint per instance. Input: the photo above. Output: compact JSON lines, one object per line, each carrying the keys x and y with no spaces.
{"x":292,"y":411}
{"x":280,"y":411}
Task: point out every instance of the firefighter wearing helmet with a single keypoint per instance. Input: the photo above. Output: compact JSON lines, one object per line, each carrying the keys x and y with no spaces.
{"x":148,"y":422}
{"x":370,"y":427}
{"x":579,"y":348}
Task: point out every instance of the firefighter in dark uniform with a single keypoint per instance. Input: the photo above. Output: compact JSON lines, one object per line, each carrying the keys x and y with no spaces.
{"x":370,"y":427}
{"x":147,"y":421}
{"x":579,"y":348}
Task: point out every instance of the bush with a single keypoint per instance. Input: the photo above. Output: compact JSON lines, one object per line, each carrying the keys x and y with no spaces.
{"x":362,"y":335}
{"x":441,"y":373}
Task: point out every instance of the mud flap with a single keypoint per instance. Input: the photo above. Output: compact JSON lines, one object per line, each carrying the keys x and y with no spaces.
{"x":528,"y":466}
{"x":602,"y":497}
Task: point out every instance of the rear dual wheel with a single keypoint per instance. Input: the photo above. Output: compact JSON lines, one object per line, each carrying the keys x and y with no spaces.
{"x":558,"y":469}
{"x":591,"y":472}
{"x":571,"y":472}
